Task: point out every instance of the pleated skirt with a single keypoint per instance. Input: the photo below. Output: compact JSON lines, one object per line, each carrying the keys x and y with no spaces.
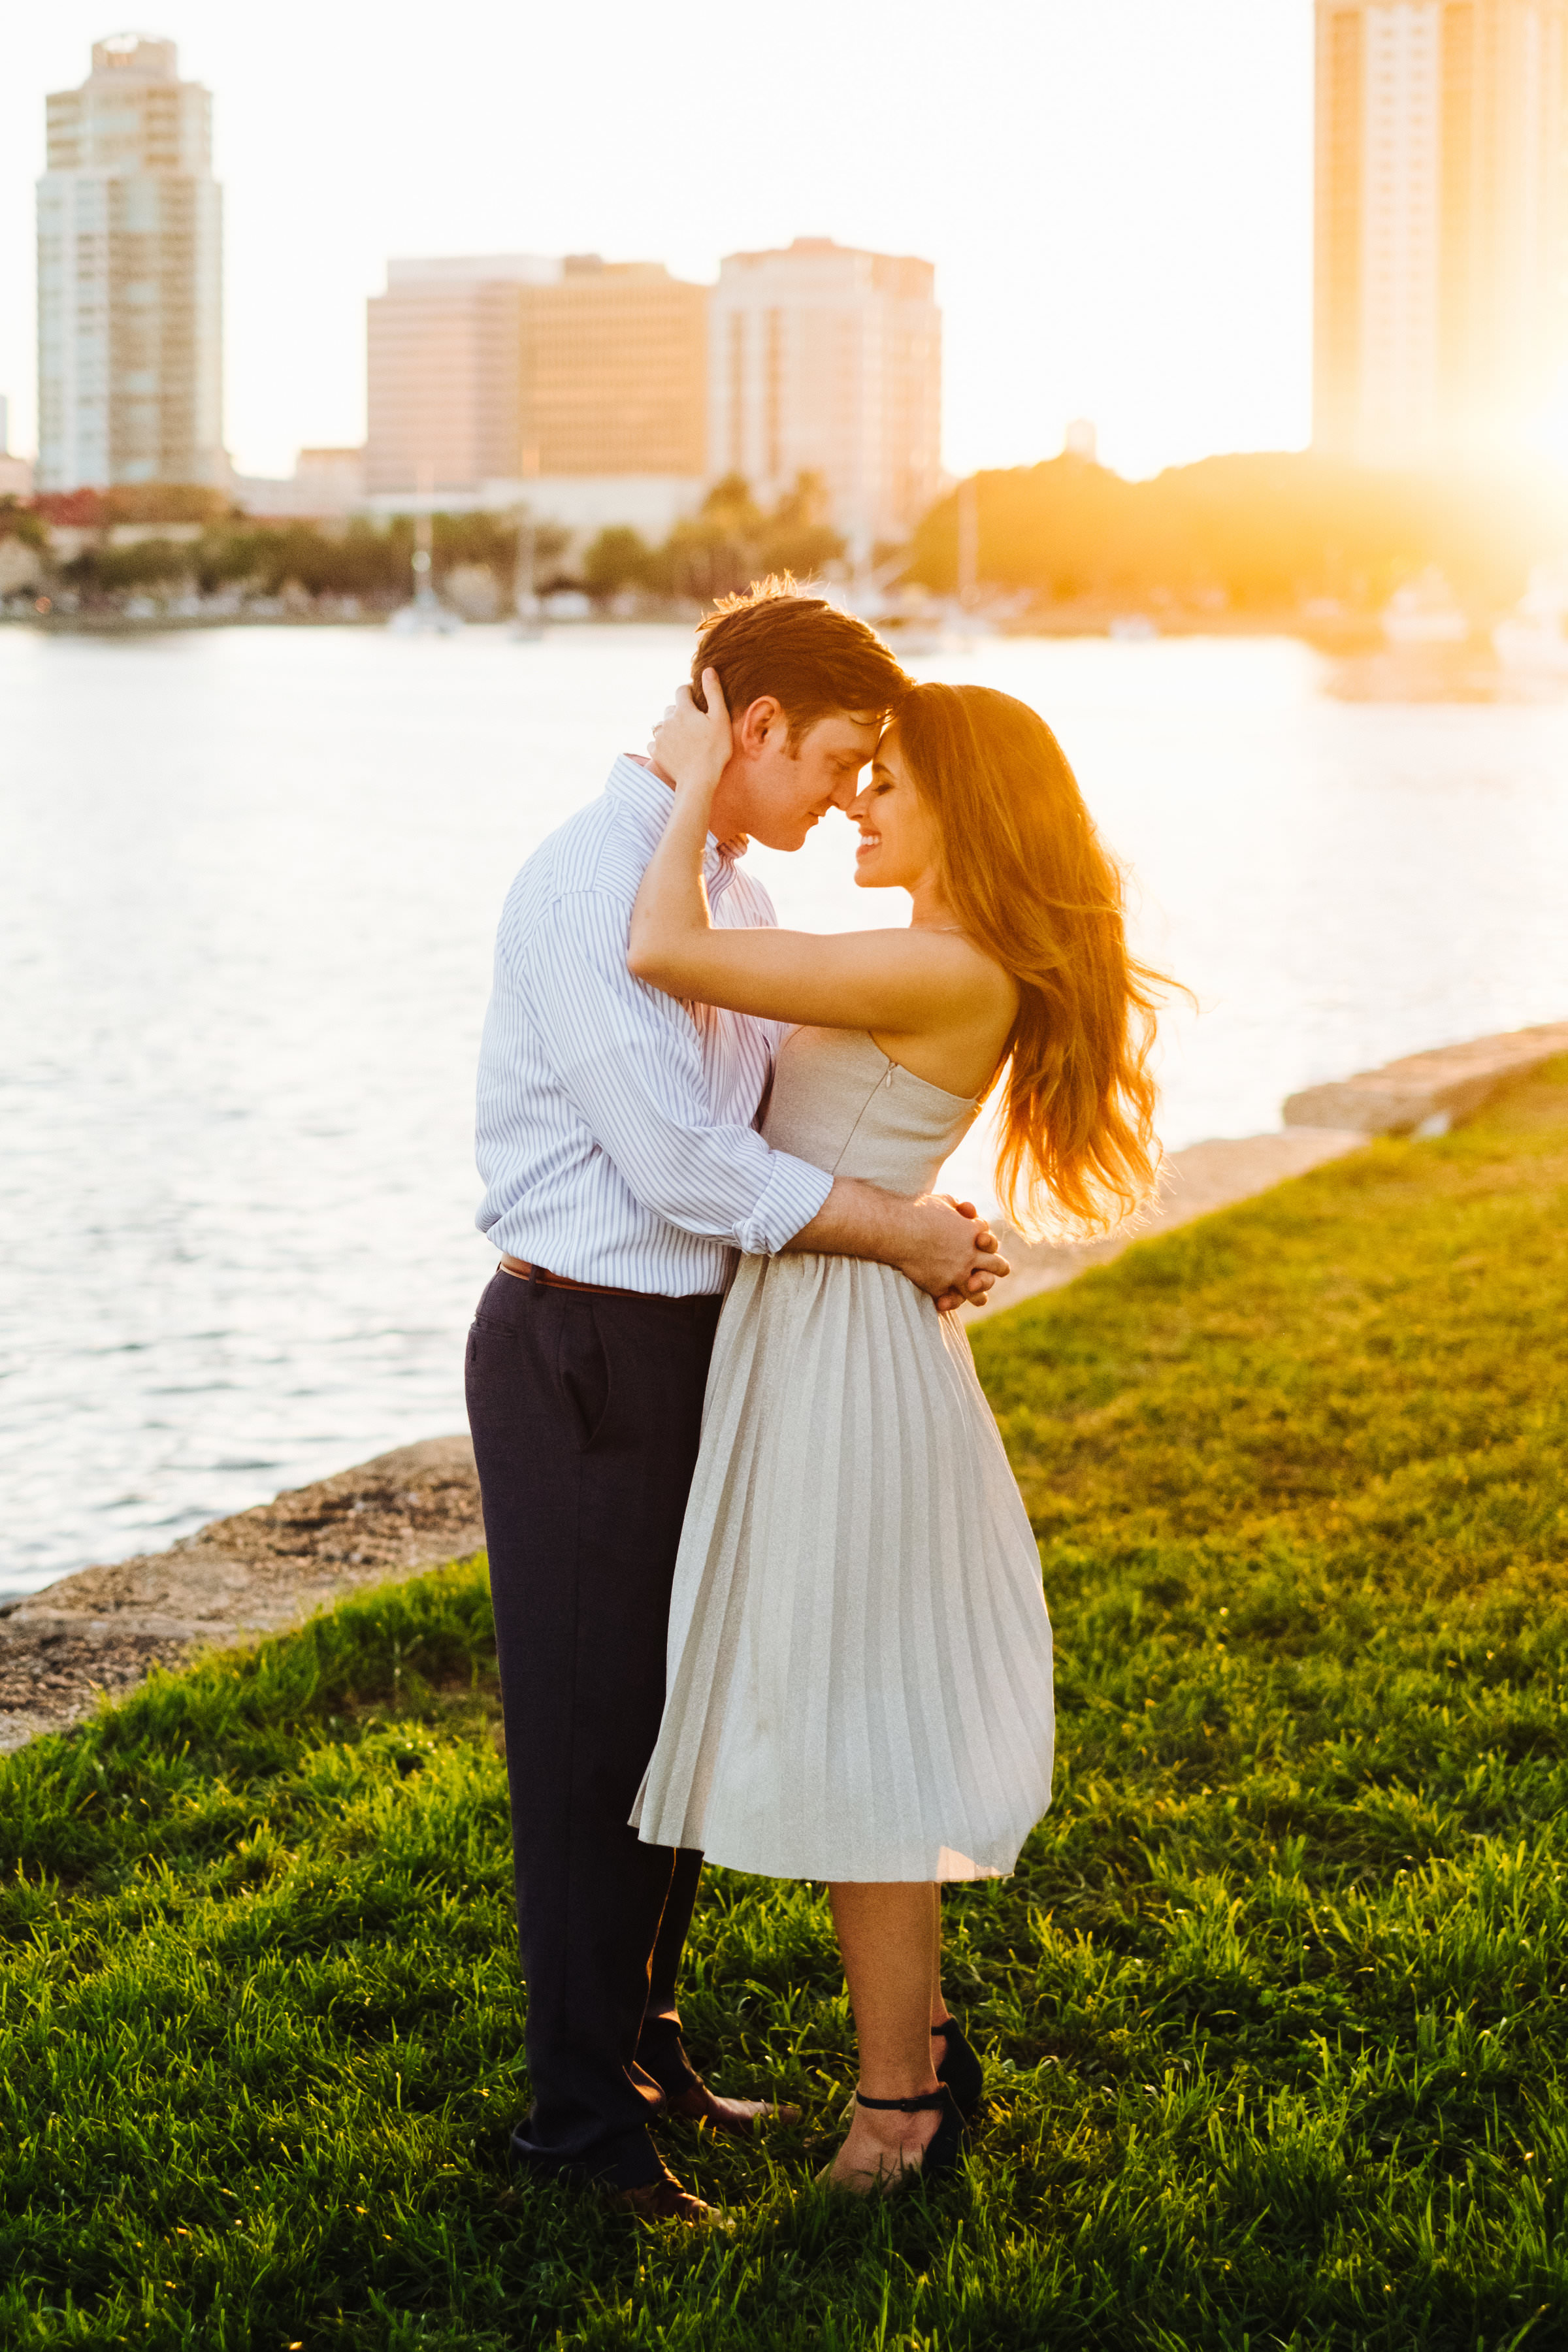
{"x":858,"y":1672}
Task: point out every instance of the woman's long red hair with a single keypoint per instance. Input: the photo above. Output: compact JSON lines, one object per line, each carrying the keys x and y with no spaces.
{"x":1028,"y":877}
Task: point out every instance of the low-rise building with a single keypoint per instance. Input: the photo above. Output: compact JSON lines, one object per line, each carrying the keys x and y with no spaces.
{"x":325,"y":482}
{"x":15,"y":473}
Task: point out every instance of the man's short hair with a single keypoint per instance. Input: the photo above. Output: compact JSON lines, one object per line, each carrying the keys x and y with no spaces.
{"x":810,"y":657}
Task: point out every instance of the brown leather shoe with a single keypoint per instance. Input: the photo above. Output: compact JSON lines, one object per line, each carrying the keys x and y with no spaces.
{"x":661,"y":2200}
{"x":742,"y":2117}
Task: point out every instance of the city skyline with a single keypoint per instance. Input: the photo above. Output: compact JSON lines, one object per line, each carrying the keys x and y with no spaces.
{"x":1079,"y":187}
{"x":613,"y":390}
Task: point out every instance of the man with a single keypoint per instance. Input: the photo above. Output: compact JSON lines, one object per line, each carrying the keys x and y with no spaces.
{"x":617,"y":1141}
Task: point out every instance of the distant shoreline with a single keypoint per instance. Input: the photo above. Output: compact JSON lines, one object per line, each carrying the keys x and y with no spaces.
{"x":1354,"y":634}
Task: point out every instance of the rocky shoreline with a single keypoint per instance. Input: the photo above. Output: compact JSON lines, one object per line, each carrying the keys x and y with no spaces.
{"x":257,"y":1572}
{"x":96,"y":1632}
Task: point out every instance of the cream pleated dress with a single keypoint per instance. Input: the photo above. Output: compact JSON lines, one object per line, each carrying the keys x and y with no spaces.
{"x":859,"y":1678}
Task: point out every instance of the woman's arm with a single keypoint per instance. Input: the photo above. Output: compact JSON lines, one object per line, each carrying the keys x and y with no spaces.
{"x":901,"y":981}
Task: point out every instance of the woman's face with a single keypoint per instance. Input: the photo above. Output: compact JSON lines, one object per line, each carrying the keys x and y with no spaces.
{"x":899,"y":844}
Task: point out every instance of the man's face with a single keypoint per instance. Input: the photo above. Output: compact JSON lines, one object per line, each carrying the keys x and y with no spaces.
{"x":778,"y":794}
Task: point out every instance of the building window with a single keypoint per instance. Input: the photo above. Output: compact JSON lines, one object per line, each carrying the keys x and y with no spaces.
{"x":774,"y":392}
{"x":737,"y":391}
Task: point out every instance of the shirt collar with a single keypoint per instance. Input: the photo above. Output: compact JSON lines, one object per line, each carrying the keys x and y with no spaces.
{"x":645,"y":802}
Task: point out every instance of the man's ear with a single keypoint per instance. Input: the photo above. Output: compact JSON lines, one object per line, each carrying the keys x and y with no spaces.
{"x":758,"y":723}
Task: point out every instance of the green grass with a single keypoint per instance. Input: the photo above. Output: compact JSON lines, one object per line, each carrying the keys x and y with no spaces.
{"x":1274,"y":2007}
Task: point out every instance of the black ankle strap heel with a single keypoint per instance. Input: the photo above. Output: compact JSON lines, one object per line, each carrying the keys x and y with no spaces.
{"x":959,"y":2068}
{"x":941,"y":2152}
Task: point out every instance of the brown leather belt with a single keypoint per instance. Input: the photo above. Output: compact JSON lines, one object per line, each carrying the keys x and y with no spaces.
{"x":526,"y":1273}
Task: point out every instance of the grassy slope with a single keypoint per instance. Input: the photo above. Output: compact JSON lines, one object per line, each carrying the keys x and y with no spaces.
{"x":1273,"y":2004}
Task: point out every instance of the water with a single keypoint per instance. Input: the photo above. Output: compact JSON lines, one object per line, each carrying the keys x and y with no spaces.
{"x":249,"y":881}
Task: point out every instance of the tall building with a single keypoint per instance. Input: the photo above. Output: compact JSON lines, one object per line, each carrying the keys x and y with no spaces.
{"x":493,"y":368}
{"x":444,"y":368}
{"x":130,"y":277}
{"x":1441,"y":271}
{"x":828,"y":360}
{"x":615,"y":371}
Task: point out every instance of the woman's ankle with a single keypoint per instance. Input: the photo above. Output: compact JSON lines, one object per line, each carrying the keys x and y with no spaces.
{"x":893,"y":2129}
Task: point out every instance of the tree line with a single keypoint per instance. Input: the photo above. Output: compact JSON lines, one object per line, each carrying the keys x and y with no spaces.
{"x":1264,"y":534}
{"x":728,"y":542}
{"x":232,"y":549}
{"x":1257,"y":534}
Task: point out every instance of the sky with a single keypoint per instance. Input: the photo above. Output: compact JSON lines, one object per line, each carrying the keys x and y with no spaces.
{"x":1116,"y":193}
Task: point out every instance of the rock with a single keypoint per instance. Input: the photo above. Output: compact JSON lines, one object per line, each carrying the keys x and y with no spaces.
{"x":1427,"y":1094}
{"x":48,"y":1678}
{"x":1204,"y":1177}
{"x":257,"y":1572}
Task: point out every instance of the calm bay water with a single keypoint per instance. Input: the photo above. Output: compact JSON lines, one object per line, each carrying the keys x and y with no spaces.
{"x":249,"y":882}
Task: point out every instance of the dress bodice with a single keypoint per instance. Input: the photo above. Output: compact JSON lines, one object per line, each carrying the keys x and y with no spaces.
{"x":838,"y":1102}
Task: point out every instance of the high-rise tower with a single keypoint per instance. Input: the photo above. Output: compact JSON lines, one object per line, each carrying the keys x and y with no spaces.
{"x":130,"y":277}
{"x":828,"y":360}
{"x":1441,"y":301}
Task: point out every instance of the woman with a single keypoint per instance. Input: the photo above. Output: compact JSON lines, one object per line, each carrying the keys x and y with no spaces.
{"x":859,"y":1659}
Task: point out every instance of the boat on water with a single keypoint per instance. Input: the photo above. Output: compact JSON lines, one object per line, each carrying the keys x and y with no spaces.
{"x":1425,"y":612}
{"x":426,"y":616}
{"x":1533,"y":638}
{"x":910,"y":621}
{"x":909,"y":637}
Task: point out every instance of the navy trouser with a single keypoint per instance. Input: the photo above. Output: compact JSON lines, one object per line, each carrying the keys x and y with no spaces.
{"x":586,"y":1411}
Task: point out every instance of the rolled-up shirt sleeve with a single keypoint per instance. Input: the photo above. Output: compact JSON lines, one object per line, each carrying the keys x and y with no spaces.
{"x":627,"y":1057}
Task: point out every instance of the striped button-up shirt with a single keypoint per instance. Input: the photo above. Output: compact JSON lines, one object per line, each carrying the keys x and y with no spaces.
{"x":616,"y":1126}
